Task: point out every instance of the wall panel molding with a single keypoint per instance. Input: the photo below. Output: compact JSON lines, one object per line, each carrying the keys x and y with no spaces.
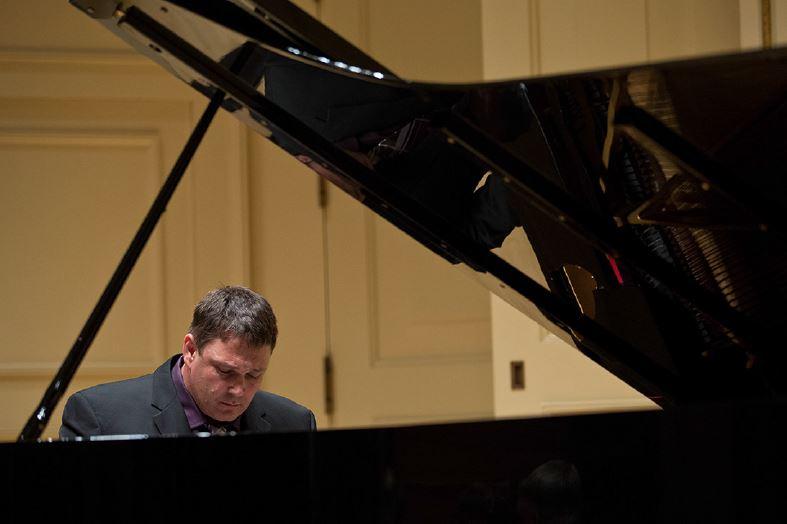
{"x":91,"y":370}
{"x":376,"y":357}
{"x":56,"y":57}
{"x":534,"y":20}
{"x":431,"y":418}
{"x":148,"y":142}
{"x":73,"y":137}
{"x":93,"y":75}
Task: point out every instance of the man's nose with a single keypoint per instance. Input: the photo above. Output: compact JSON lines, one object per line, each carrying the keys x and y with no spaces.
{"x":238,"y":387}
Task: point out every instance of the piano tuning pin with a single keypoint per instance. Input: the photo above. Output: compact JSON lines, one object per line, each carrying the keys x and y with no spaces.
{"x":705,"y":186}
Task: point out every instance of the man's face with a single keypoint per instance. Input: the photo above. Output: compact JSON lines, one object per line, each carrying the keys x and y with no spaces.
{"x":224,"y":376}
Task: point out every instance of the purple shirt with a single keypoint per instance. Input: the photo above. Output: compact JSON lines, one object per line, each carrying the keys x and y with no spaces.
{"x":198,"y":421}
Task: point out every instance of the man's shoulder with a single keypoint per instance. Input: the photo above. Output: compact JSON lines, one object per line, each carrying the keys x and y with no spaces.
{"x":273,"y":401}
{"x":115,"y":408}
{"x":282,"y":413}
{"x":121,"y":391}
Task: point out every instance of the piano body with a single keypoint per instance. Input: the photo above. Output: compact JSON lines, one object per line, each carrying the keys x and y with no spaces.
{"x":651,"y":197}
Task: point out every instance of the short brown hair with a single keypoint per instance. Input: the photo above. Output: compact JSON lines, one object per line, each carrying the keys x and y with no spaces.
{"x":234,"y":311}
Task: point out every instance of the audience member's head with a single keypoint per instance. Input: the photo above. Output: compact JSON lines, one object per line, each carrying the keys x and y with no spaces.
{"x":551,"y":494}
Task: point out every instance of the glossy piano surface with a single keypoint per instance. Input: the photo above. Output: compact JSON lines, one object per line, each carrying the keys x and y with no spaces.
{"x":699,"y":464}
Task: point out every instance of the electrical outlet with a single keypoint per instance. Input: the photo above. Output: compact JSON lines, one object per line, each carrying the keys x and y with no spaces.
{"x":517,"y":374}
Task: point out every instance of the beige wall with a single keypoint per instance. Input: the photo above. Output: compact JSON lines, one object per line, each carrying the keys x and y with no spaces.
{"x":549,"y":36}
{"x":88,"y":130}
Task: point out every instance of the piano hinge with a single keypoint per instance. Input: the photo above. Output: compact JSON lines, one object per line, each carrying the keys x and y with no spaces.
{"x":322,"y":192}
{"x":98,"y":9}
{"x":767,"y":24}
{"x":328,"y":381}
{"x":609,"y":139}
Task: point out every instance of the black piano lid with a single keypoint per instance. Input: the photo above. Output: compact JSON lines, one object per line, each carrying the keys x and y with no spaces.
{"x":650,"y":194}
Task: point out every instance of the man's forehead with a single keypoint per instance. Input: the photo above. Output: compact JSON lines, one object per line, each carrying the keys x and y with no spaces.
{"x":238,"y":349}
{"x":238,"y":342}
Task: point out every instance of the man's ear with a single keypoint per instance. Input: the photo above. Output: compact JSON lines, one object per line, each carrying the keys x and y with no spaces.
{"x":189,"y":348}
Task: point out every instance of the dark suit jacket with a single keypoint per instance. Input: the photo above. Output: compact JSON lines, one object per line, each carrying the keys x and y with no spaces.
{"x":149,"y":405}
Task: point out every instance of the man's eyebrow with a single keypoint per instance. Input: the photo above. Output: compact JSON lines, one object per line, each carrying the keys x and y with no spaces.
{"x":222,"y":364}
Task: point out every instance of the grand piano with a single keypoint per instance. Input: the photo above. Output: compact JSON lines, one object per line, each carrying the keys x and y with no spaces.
{"x":651,"y":196}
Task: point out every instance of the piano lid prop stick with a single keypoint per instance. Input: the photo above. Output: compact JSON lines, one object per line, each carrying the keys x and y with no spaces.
{"x":38,"y":420}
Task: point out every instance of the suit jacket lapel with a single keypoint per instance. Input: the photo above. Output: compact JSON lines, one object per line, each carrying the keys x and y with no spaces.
{"x":168,"y":415}
{"x":254,"y":419}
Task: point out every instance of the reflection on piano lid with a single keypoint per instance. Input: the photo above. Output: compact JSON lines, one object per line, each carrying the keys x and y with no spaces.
{"x":659,"y":184}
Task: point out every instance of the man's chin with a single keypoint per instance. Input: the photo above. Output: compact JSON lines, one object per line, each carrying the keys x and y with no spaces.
{"x":226,"y":412}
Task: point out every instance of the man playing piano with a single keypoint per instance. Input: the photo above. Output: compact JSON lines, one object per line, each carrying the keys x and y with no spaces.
{"x":211,"y":386}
